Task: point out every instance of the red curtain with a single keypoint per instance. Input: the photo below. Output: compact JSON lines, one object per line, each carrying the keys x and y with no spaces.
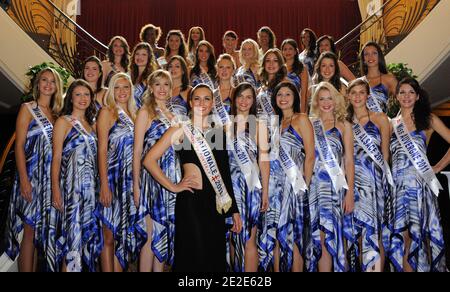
{"x":107,"y":18}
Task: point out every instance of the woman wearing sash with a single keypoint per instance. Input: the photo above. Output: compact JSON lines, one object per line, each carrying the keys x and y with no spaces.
{"x":225,"y":72}
{"x":93,"y":73}
{"x":30,"y":204}
{"x":290,"y":175}
{"x":373,"y":69}
{"x":249,"y":56}
{"x":266,"y":40}
{"x":248,"y":163}
{"x":118,"y":58}
{"x":74,"y":180}
{"x":175,"y":45}
{"x":326,"y":44}
{"x":373,"y":184}
{"x":151,"y":34}
{"x":180,"y":78}
{"x":195,"y":36}
{"x":205,"y":195}
{"x":143,"y":65}
{"x":332,"y":190}
{"x":156,"y":214}
{"x":115,"y":128}
{"x":204,"y":70}
{"x":296,"y":71}
{"x":308,"y":56}
{"x":418,"y":243}
{"x":327,"y":70}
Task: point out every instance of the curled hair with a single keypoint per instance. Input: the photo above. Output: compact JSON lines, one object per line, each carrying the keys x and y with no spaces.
{"x":279,"y":76}
{"x":56,"y":102}
{"x":422,"y":109}
{"x":340,"y":109}
{"x":336,"y":79}
{"x":272,"y":37}
{"x":211,"y":60}
{"x":182,"y":51}
{"x":146,"y":29}
{"x":185,"y":77}
{"x":96,"y":60}
{"x":149,"y":96}
{"x":297,"y":66}
{"x":91,"y":111}
{"x":255,"y":60}
{"x":381,"y":60}
{"x":149,"y":68}
{"x":191,"y":41}
{"x":311,"y":50}
{"x":125,"y":61}
{"x":353,"y":84}
{"x":293,"y":88}
{"x":110,"y":99}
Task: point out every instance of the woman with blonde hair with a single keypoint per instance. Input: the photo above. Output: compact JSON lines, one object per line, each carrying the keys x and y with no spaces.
{"x":332,"y":189}
{"x":115,"y":129}
{"x":249,"y":56}
{"x":30,"y":204}
{"x":156,"y":205}
{"x":225,"y":71}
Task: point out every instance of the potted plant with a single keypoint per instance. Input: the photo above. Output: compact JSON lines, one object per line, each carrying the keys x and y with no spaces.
{"x":33,"y":72}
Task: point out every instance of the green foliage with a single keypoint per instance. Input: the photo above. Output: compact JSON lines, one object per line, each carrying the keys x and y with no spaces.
{"x":400,"y":71}
{"x":34,"y":71}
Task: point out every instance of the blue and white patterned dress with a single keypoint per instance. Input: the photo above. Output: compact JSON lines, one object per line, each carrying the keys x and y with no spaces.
{"x":416,"y":212}
{"x":196,"y":80}
{"x":327,"y":214}
{"x":246,"y":75}
{"x":248,"y":201}
{"x":372,"y":198}
{"x":120,"y":216}
{"x":157,"y":201}
{"x":309,"y":62}
{"x":287,"y":219}
{"x":179,"y":106}
{"x":38,"y":155}
{"x":81,"y":240}
{"x":296,"y":79}
{"x":139,"y":91}
{"x":381,"y":94}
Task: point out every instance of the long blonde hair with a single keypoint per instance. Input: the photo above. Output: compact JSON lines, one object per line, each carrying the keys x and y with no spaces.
{"x":149,"y":96}
{"x":57,"y":100}
{"x":256,"y":56}
{"x":340,"y":109}
{"x":110,"y":101}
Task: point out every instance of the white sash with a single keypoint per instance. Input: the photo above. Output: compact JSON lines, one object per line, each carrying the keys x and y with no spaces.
{"x":266,"y":104}
{"x":42,"y":120}
{"x":165,"y":120}
{"x":418,"y":159}
{"x":91,"y":143}
{"x":220,"y":109}
{"x":209,"y":165}
{"x":249,"y":168}
{"x":368,"y":145}
{"x":292,"y":171}
{"x":206,"y":79}
{"x":373,"y":104}
{"x":126,"y":119}
{"x":326,"y":155}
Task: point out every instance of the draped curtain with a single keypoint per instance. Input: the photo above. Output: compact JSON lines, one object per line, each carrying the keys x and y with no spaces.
{"x":106,"y":18}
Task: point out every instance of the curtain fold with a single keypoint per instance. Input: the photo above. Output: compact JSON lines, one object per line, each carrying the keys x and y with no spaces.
{"x":106,"y":18}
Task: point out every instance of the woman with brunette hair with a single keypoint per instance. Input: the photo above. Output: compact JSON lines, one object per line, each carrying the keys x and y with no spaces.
{"x":151,"y":34}
{"x":93,"y":74}
{"x":418,"y":243}
{"x":308,"y":55}
{"x":195,"y":36}
{"x":175,"y":45}
{"x":118,"y":58}
{"x":204,"y":70}
{"x":266,"y":39}
{"x":180,"y":78}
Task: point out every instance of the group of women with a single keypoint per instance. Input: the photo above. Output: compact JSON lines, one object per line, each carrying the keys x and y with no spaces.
{"x":261,"y":160}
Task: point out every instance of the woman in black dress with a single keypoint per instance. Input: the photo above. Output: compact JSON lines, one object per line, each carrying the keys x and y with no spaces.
{"x":201,"y":208}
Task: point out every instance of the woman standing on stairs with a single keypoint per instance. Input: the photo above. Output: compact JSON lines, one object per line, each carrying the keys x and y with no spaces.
{"x":31,"y":204}
{"x":115,"y":128}
{"x":93,"y":74}
{"x":118,"y":58}
{"x":373,"y":69}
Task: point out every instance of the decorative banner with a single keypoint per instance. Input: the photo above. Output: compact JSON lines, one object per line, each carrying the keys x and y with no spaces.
{"x":209,"y":165}
{"x":418,"y":159}
{"x":91,"y":143}
{"x":42,"y":120}
{"x":220,"y":110}
{"x":125,"y":119}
